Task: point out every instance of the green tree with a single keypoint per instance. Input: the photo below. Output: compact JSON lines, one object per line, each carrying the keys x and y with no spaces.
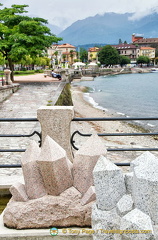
{"x":143,"y":60}
{"x":120,"y":41}
{"x":64,"y":57}
{"x":83,"y":55}
{"x":108,"y":55}
{"x":124,"y":60}
{"x":22,"y":35}
{"x":71,"y":55}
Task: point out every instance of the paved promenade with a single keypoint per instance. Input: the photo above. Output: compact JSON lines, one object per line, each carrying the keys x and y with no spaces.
{"x":35,"y":91}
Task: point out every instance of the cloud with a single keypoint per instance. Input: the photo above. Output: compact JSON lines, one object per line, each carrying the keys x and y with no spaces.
{"x":141,"y":14}
{"x":64,"y":12}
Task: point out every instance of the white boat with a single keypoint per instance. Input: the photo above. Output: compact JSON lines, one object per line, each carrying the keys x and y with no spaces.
{"x":154,"y":69}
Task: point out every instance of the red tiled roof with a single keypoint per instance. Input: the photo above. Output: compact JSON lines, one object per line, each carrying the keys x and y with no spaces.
{"x":66,"y":45}
{"x":94,"y":49}
{"x":147,"y":48}
{"x":147,"y":40}
{"x":125,"y":46}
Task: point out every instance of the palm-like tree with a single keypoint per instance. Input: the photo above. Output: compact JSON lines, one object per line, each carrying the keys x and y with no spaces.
{"x":71,"y":55}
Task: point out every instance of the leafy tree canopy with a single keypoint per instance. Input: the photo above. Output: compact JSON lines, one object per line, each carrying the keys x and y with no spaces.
{"x":22,"y":35}
{"x":124,"y":60}
{"x":83,"y":55}
{"x":143,"y":59}
{"x":108,"y":55}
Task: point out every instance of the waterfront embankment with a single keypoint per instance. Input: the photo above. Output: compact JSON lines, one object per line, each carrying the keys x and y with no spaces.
{"x":84,"y":109}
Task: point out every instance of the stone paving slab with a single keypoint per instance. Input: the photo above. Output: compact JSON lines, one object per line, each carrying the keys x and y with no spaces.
{"x":22,"y":104}
{"x":34,"y":78}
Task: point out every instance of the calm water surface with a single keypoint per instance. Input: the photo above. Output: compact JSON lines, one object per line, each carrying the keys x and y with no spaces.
{"x":134,"y":95}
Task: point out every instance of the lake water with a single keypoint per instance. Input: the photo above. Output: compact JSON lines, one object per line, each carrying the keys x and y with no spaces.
{"x":133,"y":95}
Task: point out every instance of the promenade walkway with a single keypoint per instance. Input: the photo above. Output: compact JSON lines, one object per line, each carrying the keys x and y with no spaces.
{"x":35,"y":91}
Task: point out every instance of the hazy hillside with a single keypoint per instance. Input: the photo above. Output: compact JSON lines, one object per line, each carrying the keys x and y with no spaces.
{"x":109,"y":28}
{"x":54,"y":29}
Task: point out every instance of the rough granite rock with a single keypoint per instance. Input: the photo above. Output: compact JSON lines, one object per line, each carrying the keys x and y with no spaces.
{"x":85,"y":161}
{"x":109,"y":184}
{"x":137,"y":220}
{"x":18,"y":192}
{"x":55,"y":122}
{"x":33,"y":179}
{"x":57,"y":211}
{"x":89,"y":196}
{"x":129,"y":181}
{"x":103,"y":221}
{"x":124,"y":205}
{"x":145,"y":186}
{"x":142,"y":159}
{"x":55,"y":167}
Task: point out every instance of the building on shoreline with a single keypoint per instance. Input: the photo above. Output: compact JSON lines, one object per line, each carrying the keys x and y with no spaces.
{"x":128,"y":50}
{"x":144,"y":42}
{"x":64,"y":53}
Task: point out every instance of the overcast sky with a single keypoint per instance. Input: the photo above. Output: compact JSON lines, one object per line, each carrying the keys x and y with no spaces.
{"x":64,"y":12}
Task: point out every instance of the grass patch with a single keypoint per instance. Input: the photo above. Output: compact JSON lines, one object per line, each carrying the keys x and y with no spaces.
{"x":3,"y":202}
{"x":65,"y":98}
{"x":29,"y":72}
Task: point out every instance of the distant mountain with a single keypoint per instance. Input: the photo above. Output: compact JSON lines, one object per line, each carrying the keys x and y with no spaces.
{"x":109,"y":28}
{"x":54,"y":29}
{"x":87,"y":46}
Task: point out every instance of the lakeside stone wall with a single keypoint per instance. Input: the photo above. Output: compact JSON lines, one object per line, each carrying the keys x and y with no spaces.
{"x":7,"y":90}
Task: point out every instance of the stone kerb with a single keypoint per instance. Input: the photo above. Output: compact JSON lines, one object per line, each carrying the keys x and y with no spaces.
{"x":55,"y":122}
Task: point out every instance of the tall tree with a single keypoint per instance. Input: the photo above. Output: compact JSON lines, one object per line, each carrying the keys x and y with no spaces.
{"x":108,"y":55}
{"x":143,"y":60}
{"x":120,"y":41}
{"x":71,"y":55}
{"x":22,"y":35}
{"x":124,"y":60}
{"x":83,"y":55}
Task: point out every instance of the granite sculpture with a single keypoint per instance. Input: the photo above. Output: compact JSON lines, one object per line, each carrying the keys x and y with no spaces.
{"x":126,"y":206}
{"x":50,"y":196}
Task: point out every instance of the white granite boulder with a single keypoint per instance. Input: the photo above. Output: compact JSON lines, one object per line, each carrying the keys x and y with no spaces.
{"x":55,"y":167}
{"x":129,"y":181}
{"x":124,"y":205}
{"x":141,"y":160}
{"x":33,"y":179}
{"x":145,"y":186}
{"x":103,"y":222}
{"x":134,"y":223}
{"x":85,"y":161}
{"x":109,"y":184}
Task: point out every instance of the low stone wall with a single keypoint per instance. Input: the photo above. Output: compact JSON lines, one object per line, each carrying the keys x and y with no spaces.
{"x":7,"y":90}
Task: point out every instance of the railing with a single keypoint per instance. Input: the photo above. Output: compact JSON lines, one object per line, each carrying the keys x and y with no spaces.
{"x":81,"y":134}
{"x":117,"y":134}
{"x":18,"y":135}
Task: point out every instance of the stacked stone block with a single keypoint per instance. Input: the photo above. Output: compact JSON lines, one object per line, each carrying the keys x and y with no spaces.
{"x":127,"y":204}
